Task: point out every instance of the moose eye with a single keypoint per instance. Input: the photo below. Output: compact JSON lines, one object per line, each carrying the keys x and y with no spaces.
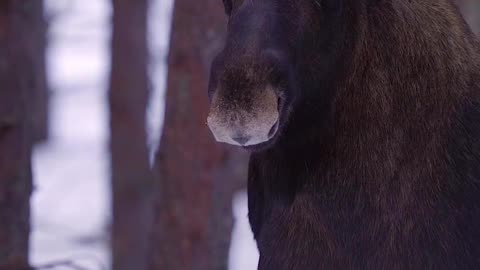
{"x":228,"y":6}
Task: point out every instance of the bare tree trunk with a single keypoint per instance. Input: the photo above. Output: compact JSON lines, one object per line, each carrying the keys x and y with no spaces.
{"x":195,"y":176}
{"x":40,"y":93}
{"x":131,"y":175}
{"x":16,"y":77}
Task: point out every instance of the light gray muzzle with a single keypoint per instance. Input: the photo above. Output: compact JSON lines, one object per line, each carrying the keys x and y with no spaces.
{"x":234,"y":125}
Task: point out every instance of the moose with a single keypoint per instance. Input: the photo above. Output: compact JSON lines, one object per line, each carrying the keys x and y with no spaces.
{"x":362,"y":118}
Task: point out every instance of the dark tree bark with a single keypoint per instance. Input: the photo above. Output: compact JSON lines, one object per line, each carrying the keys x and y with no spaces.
{"x":131,"y":175}
{"x":195,"y":176}
{"x":40,"y":93}
{"x":16,"y":84}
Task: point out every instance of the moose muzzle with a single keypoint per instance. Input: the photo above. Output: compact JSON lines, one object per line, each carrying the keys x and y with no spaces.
{"x":245,"y":123}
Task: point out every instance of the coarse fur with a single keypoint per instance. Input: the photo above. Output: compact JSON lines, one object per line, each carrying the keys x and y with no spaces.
{"x":377,"y":161}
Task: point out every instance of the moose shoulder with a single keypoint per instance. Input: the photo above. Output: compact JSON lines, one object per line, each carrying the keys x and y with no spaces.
{"x":363,"y":119}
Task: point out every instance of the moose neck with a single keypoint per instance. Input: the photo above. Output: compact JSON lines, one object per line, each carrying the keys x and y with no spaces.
{"x":396,"y":104}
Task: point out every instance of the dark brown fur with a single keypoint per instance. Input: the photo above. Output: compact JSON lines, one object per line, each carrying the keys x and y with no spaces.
{"x":378,"y":162}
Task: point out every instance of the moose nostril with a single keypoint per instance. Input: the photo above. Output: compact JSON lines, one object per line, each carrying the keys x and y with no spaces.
{"x":242,"y":140}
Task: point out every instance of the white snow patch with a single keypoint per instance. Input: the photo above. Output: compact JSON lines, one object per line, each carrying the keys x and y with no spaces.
{"x":243,"y":251}
{"x":71,"y":199}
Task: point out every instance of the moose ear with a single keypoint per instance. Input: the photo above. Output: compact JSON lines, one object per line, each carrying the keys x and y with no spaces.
{"x":228,"y":6}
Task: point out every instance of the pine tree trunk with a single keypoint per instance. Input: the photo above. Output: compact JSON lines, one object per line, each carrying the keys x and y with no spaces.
{"x":131,"y":175}
{"x":16,"y":84}
{"x":195,"y":176}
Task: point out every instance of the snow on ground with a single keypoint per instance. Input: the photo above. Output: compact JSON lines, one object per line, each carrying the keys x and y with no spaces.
{"x":243,"y":251}
{"x":71,"y":200}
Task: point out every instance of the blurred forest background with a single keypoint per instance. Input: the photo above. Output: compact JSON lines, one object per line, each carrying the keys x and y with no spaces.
{"x":105,"y":158}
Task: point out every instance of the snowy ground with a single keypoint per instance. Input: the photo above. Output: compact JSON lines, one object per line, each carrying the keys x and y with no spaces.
{"x":71,"y":202}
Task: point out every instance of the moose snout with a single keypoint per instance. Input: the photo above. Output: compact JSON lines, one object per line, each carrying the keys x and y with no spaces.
{"x":245,"y":126}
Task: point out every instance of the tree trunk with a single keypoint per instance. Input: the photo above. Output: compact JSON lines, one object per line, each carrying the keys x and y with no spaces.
{"x":131,"y":175}
{"x":195,"y":176}
{"x":40,"y":93}
{"x":16,"y":84}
